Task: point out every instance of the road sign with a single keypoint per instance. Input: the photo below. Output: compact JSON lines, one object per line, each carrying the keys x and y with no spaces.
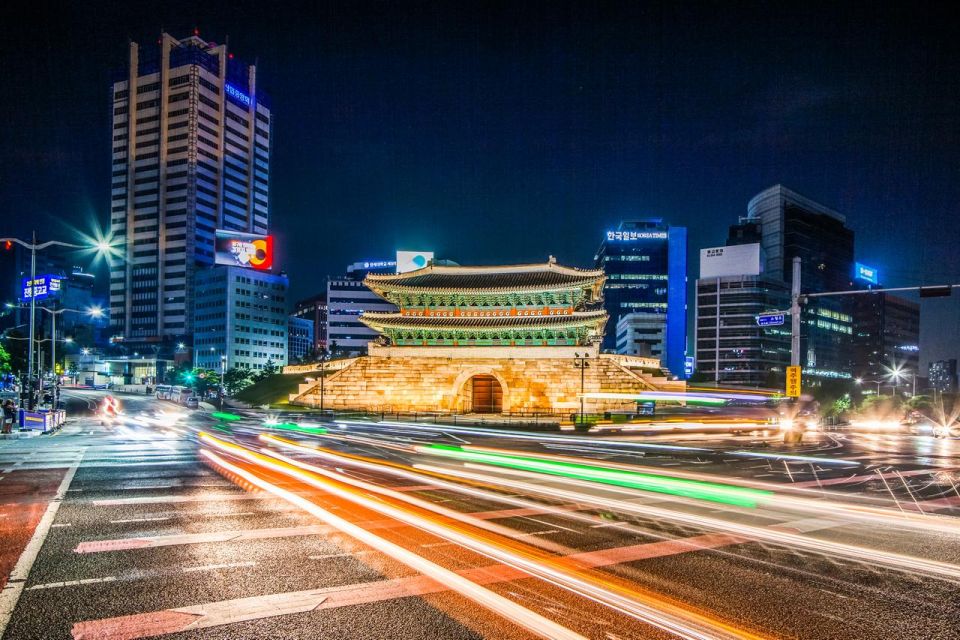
{"x":771,"y":319}
{"x":793,"y":382}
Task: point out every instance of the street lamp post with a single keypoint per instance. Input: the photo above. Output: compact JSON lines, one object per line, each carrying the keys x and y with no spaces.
{"x":223,"y":369}
{"x":581,"y":362}
{"x":324,"y":356}
{"x":34,"y":247}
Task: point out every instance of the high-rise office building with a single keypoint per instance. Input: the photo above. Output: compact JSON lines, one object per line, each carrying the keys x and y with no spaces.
{"x":314,"y":309}
{"x":942,"y":375}
{"x":191,"y":154}
{"x":790,"y":225}
{"x":240,"y":318}
{"x":646,"y":266}
{"x":300,"y":342}
{"x":886,"y":335}
{"x":731,"y":347}
{"x":347,"y":299}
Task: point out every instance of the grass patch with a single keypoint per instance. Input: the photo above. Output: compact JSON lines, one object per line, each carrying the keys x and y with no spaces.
{"x":274,"y":390}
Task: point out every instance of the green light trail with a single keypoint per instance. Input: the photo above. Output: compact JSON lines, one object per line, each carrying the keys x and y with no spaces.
{"x":291,"y":426}
{"x":700,"y":490}
{"x":227,"y":417}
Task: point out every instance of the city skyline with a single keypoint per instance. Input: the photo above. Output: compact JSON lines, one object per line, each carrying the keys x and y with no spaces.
{"x":396,"y":130}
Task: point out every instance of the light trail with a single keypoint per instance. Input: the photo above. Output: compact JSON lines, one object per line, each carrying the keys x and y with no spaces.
{"x":646,"y":608}
{"x":895,"y":561}
{"x":518,"y":614}
{"x":401,"y":496}
{"x":698,"y":489}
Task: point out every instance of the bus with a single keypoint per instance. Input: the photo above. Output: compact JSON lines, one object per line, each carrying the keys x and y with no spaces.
{"x":164,"y":391}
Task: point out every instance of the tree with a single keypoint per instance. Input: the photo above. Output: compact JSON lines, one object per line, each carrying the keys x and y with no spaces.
{"x":237,"y":379}
{"x":5,"y":360}
{"x":269,"y":369}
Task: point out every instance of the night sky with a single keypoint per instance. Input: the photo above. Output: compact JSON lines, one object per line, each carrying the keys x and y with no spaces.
{"x":509,"y":132}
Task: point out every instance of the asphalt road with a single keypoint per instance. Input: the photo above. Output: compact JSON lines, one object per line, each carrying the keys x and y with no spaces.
{"x":362,"y":530}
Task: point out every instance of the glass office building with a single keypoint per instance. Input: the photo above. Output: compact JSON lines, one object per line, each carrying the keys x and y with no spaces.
{"x":646,"y":266}
{"x":190,"y":155}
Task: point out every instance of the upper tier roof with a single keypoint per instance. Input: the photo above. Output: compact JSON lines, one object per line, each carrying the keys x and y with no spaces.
{"x":521,"y":277}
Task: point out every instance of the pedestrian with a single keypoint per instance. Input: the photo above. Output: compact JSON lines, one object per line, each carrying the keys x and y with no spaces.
{"x":9,"y":415}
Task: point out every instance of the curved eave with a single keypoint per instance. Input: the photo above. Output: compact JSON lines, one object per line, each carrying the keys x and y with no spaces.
{"x":389,"y":321}
{"x":388,"y":289}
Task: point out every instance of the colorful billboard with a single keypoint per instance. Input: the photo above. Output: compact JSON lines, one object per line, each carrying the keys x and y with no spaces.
{"x":413,"y":260}
{"x":248,"y":250}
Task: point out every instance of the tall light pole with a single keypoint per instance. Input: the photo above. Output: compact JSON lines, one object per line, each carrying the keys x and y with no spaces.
{"x":223,"y":369}
{"x":581,"y":362}
{"x":102,"y":247}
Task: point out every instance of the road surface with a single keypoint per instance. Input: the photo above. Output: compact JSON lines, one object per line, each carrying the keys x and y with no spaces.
{"x":260,"y":526}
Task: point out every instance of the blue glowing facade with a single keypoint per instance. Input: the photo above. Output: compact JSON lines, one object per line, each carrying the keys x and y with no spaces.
{"x":646,"y":266}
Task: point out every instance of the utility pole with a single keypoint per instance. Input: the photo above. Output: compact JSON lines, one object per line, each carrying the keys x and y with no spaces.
{"x":795,"y":314}
{"x":581,"y":362}
{"x":33,"y":312}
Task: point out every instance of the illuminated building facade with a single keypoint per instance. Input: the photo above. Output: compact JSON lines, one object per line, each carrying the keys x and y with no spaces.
{"x":502,"y":339}
{"x":240,"y":314}
{"x":787,"y":224}
{"x":646,"y":266}
{"x":190,"y":155}
{"x":886,"y":335}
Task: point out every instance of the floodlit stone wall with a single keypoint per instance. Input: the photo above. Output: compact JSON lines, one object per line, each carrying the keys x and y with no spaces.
{"x":428,"y":383}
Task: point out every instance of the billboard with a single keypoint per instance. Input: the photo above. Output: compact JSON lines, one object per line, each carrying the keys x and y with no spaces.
{"x":736,"y":260}
{"x":413,"y":260}
{"x":865,"y":273}
{"x":43,"y":287}
{"x":249,"y":250}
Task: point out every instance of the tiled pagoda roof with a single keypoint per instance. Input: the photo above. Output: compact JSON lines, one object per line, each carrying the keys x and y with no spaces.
{"x":380,"y":320}
{"x":495,"y":279}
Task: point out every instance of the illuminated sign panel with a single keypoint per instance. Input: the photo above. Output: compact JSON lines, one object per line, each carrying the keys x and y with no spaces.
{"x":244,"y":250}
{"x":237,"y":95}
{"x":636,"y":235}
{"x":867,"y":274}
{"x":413,"y":260}
{"x":793,"y":382}
{"x":735,"y":260}
{"x":43,"y":287}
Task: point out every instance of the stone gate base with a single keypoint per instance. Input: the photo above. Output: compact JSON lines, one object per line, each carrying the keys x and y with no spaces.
{"x":532,"y":379}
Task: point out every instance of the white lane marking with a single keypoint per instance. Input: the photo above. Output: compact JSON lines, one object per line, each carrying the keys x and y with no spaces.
{"x":212,"y":567}
{"x":63,"y":524}
{"x":71,"y":583}
{"x":538,"y":533}
{"x":338,"y":555}
{"x":207,"y":497}
{"x":14,"y":587}
{"x":140,"y":520}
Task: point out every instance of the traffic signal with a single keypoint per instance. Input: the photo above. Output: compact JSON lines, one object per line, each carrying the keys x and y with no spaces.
{"x":8,"y":246}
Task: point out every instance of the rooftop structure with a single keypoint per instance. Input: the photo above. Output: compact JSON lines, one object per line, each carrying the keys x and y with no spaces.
{"x":515,"y":305}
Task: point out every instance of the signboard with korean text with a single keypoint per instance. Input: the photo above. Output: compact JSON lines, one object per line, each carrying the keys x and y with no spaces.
{"x":736,"y":260}
{"x":43,"y":287}
{"x":867,"y":274}
{"x":770,"y":319}
{"x":793,"y":382}
{"x":248,"y":250}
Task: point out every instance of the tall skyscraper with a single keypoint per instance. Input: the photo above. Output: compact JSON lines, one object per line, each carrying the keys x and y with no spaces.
{"x":791,"y":225}
{"x":191,"y":154}
{"x":646,"y":266}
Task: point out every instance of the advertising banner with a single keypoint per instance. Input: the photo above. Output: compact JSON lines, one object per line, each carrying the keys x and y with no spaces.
{"x":42,"y":287}
{"x":413,"y":260}
{"x":736,"y":260}
{"x":249,"y":250}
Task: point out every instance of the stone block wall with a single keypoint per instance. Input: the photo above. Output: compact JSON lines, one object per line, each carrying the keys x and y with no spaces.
{"x":424,"y":383}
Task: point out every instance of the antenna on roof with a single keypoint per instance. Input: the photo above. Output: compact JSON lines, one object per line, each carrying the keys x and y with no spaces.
{"x":551,"y":260}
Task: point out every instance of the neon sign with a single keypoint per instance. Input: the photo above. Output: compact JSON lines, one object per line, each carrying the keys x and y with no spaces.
{"x":42,"y":287}
{"x":235,"y":93}
{"x":636,"y":235}
{"x":867,"y":274}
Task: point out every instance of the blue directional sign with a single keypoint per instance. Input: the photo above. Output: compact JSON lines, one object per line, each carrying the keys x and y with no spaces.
{"x":771,"y":319}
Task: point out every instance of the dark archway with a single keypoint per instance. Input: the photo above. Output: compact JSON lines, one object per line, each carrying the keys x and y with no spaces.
{"x":486,"y":394}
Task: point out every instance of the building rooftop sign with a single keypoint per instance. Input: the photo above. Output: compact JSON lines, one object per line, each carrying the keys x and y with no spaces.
{"x":866,"y":274}
{"x":43,"y":287}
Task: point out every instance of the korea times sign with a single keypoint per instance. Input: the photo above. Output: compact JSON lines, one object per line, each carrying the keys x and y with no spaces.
{"x":41,"y":288}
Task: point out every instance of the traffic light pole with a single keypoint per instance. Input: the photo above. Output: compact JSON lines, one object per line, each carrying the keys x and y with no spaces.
{"x":795,"y":315}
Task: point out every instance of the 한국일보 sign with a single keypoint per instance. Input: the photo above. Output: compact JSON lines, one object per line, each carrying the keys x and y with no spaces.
{"x":248,"y":250}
